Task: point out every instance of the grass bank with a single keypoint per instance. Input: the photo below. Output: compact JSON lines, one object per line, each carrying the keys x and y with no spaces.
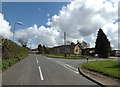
{"x":11,"y":53}
{"x":8,"y":62}
{"x":68,"y":56}
{"x":107,"y":67}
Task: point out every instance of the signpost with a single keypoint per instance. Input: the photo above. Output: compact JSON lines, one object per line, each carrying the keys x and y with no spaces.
{"x":87,"y":58}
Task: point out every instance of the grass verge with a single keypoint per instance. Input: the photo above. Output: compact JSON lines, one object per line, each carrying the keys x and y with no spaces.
{"x":106,"y":67}
{"x":68,"y":56}
{"x":11,"y":53}
{"x":8,"y":62}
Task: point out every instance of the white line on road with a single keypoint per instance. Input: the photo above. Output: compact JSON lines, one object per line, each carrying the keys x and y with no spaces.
{"x":67,"y":66}
{"x":71,"y":69}
{"x":41,"y":75}
{"x":37,"y":59}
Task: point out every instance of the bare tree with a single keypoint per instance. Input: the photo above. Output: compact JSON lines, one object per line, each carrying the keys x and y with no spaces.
{"x":85,"y":44}
{"x":23,"y":42}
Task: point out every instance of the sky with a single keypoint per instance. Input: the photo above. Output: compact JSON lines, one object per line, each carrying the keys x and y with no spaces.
{"x":45,"y":22}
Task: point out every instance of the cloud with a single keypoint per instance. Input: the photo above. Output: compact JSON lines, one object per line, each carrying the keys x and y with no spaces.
{"x":49,"y":22}
{"x":39,"y":35}
{"x":48,"y":15}
{"x":81,"y":20}
{"x":4,"y":27}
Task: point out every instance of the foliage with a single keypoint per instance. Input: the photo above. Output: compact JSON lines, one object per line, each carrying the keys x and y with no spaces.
{"x":12,"y":50}
{"x":23,"y":42}
{"x":102,"y":47}
{"x":84,"y":44}
{"x":72,"y":43}
{"x":68,"y":56}
{"x":45,"y":49}
{"x":40,"y":48}
{"x":107,"y":67}
{"x":11,"y":53}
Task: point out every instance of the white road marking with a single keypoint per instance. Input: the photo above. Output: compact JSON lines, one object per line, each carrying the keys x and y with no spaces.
{"x":67,"y":66}
{"x":41,"y":75}
{"x":71,"y":69}
{"x":36,"y":59}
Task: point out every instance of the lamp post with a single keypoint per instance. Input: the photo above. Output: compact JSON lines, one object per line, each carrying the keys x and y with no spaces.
{"x":20,"y":23}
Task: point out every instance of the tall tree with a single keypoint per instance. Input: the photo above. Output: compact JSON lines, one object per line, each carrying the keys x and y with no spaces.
{"x":44,"y":49}
{"x":102,"y":47}
{"x":40,"y":48}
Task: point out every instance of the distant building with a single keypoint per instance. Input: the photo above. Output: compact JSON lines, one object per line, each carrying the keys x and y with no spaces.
{"x":68,"y":49}
{"x":89,"y":51}
{"x":115,"y":53}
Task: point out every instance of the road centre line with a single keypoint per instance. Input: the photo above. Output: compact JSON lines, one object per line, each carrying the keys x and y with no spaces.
{"x":41,"y":75}
{"x":40,"y":71}
{"x":36,"y":59}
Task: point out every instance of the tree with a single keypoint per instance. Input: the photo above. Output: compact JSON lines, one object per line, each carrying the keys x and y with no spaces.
{"x":47,"y":49}
{"x":84,"y":44}
{"x":23,"y":42}
{"x":44,"y":49}
{"x":40,"y":48}
{"x":102,"y":47}
{"x":68,"y":42}
{"x":72,"y":43}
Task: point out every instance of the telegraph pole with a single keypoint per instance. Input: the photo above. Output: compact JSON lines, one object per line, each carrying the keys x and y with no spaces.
{"x":65,"y":42}
{"x":30,"y":47}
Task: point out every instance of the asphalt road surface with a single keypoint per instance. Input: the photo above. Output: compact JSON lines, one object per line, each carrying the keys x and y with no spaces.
{"x":40,"y":70}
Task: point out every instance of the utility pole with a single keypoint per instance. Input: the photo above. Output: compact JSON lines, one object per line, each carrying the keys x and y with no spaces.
{"x":30,"y":47}
{"x":65,"y":42}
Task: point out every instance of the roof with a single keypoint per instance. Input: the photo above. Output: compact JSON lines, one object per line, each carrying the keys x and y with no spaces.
{"x":89,"y":49}
{"x":71,"y":46}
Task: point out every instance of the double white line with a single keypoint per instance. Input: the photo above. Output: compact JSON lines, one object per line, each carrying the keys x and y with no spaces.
{"x":67,"y":66}
{"x":40,"y":71}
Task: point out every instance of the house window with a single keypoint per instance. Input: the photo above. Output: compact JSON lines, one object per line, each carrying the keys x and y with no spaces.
{"x":76,"y":50}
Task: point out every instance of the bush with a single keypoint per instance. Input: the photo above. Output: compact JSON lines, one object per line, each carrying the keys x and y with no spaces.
{"x":12,"y":53}
{"x":12,"y":50}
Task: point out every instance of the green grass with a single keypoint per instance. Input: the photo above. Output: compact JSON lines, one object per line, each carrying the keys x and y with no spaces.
{"x":107,"y":67}
{"x":11,"y":53}
{"x":68,"y":56}
{"x":8,"y":62}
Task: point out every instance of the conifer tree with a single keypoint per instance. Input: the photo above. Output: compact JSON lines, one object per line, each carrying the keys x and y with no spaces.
{"x":102,"y":47}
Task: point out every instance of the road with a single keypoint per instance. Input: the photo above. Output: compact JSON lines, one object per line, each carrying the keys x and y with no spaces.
{"x":40,"y":70}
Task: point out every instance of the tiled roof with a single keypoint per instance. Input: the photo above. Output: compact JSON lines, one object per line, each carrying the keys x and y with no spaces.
{"x":71,"y":46}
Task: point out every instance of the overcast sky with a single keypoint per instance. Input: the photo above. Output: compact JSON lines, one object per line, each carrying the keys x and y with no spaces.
{"x":46,"y":23}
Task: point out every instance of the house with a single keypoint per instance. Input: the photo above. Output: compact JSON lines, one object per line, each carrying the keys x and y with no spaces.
{"x":68,"y":49}
{"x":89,"y":51}
{"x":115,"y":53}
